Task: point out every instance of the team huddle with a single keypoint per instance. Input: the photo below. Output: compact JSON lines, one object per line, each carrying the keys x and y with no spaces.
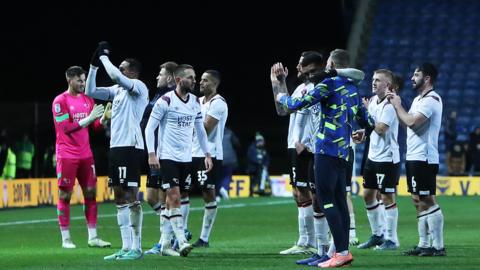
{"x":176,"y":126}
{"x":327,"y":117}
{"x":177,"y":137}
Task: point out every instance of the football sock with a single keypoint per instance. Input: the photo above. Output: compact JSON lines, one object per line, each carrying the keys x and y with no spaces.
{"x":373,"y":214}
{"x":435,"y":225}
{"x":352,"y":231}
{"x":391,"y":212}
{"x":176,"y":220}
{"x":136,"y":220}
{"x":185,"y":208}
{"x":63,"y":214}
{"x":123,"y":219}
{"x":382,"y":218}
{"x":162,"y":221}
{"x":423,"y":230}
{"x":209,"y":215}
{"x":302,"y":228}
{"x":321,"y":232}
{"x":90,"y":208}
{"x":65,"y":233}
{"x":166,"y":229}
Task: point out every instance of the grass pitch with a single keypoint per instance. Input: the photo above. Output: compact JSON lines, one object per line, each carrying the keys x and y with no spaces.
{"x":248,"y":234}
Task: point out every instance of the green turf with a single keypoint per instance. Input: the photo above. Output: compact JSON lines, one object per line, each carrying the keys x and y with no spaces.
{"x":246,"y":236}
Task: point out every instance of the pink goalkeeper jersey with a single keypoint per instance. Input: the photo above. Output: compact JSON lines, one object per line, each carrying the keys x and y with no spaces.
{"x":72,"y":140}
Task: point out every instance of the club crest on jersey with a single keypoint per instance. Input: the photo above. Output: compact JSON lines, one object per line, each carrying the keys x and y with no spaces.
{"x":57,"y":108}
{"x":66,"y":181}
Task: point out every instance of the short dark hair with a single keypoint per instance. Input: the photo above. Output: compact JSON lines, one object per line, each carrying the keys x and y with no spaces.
{"x":134,"y":65}
{"x":180,"y":70}
{"x":215,"y":74}
{"x":311,"y":57}
{"x":428,"y":69}
{"x":340,"y":57}
{"x":397,"y":82}
{"x":74,"y":71}
{"x":169,"y":67}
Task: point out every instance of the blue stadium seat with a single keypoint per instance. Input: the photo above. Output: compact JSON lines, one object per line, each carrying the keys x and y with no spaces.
{"x":463,"y":120}
{"x":398,"y":37}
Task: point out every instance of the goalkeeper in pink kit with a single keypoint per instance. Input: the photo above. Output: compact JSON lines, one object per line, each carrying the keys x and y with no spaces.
{"x":73,"y":112}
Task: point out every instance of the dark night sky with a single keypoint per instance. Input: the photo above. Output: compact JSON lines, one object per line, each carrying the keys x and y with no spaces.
{"x":240,"y":39}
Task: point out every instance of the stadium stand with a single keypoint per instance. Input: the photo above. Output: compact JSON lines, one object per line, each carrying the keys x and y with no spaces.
{"x":444,"y":32}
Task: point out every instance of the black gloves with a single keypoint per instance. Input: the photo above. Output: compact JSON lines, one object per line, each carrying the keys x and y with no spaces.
{"x":317,"y":77}
{"x":95,"y":60}
{"x":103,"y":48}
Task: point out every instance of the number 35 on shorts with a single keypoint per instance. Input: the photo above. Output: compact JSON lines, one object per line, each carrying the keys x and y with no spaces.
{"x":202,"y":177}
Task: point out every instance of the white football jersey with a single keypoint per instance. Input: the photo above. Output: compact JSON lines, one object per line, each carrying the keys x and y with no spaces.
{"x":217,"y":108}
{"x":305,"y":130}
{"x":422,"y":143}
{"x":127,"y":112}
{"x":384,"y":148}
{"x":177,"y":119}
{"x":299,"y":92}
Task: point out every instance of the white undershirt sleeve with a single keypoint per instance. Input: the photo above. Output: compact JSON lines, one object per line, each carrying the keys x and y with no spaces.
{"x":118,"y":77}
{"x":351,"y":73}
{"x":91,"y":89}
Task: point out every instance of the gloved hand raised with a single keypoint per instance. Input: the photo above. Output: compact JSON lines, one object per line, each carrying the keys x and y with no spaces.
{"x":95,"y":61}
{"x":103,"y":48}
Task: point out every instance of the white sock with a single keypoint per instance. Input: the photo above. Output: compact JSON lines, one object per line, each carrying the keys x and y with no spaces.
{"x":331,"y":249}
{"x":423,"y":230}
{"x":162,"y":221}
{"x":65,"y":234}
{"x":185,"y":208}
{"x":321,"y":232}
{"x":391,"y":212}
{"x":308,"y":216}
{"x":373,"y":214}
{"x":176,"y":220}
{"x":352,"y":231}
{"x":224,"y":193}
{"x":302,"y":228}
{"x":209,"y":215}
{"x":435,"y":225}
{"x":92,"y":233}
{"x":136,"y":220}
{"x":382,"y":218}
{"x":167,"y":230}
{"x":123,"y":219}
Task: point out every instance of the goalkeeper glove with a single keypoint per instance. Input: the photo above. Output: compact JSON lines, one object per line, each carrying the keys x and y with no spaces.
{"x":96,"y":113}
{"x":107,"y":114}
